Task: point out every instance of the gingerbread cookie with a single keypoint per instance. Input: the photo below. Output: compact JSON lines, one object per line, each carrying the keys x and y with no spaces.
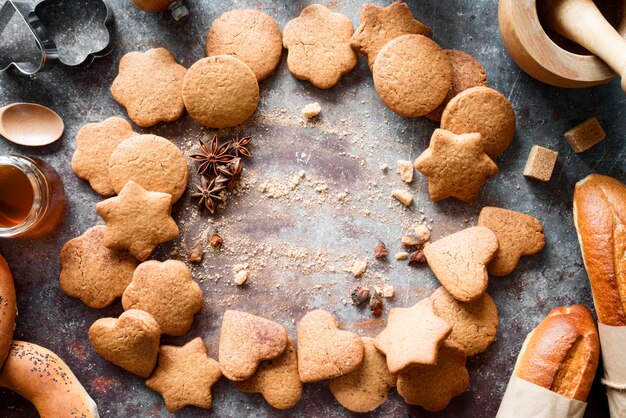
{"x":166,"y":291}
{"x":8,"y":310}
{"x":250,"y":35}
{"x":151,"y":161}
{"x":130,"y":341}
{"x":95,"y":143}
{"x":518,"y":235}
{"x":412,"y":75}
{"x":380,"y":25}
{"x":137,"y":220}
{"x":483,"y":110}
{"x":185,"y":375}
{"x":93,"y":273}
{"x":474,"y":324}
{"x":324,"y":351}
{"x":434,"y":387}
{"x":467,"y":72}
{"x":365,"y":388}
{"x":455,"y":166}
{"x":246,"y":340}
{"x":412,"y":336}
{"x":220,"y":92}
{"x":318,"y":44}
{"x":460,"y":261}
{"x":149,"y":87}
{"x":277,"y":380}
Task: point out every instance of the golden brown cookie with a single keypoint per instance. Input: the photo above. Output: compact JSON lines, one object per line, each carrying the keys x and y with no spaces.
{"x":167,"y":291}
{"x":95,"y":143}
{"x":220,"y":91}
{"x":380,"y":25}
{"x":434,"y":387}
{"x":412,"y":75}
{"x":467,"y":72}
{"x":518,"y":235}
{"x":246,"y":340}
{"x":460,"y":261}
{"x":130,"y":341}
{"x":8,"y":310}
{"x":365,"y":388}
{"x":151,"y":161}
{"x":277,"y":380}
{"x":93,"y":273}
{"x":455,"y":166}
{"x":149,"y":87}
{"x":137,"y":220}
{"x":185,"y":375}
{"x":474,"y":324}
{"x":318,"y":44}
{"x":324,"y":351}
{"x":250,"y":35}
{"x":483,"y":110}
{"x":412,"y":336}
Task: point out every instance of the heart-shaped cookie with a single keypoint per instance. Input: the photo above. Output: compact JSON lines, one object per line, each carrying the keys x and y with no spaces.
{"x":324,"y":351}
{"x":130,"y":341}
{"x":460,"y":261}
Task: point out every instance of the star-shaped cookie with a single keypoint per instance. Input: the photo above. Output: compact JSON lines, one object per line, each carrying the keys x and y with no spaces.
{"x":137,"y":220}
{"x":412,"y":336}
{"x":379,"y":25}
{"x":455,"y":165}
{"x":185,"y":375}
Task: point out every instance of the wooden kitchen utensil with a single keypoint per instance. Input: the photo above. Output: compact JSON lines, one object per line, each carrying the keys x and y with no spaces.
{"x":539,"y":55}
{"x":30,"y":124}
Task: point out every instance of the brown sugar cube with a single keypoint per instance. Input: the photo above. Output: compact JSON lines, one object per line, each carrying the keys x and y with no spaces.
{"x":540,"y":163}
{"x":585,"y":135}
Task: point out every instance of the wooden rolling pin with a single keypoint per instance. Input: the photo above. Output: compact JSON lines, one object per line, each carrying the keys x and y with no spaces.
{"x":582,"y":22}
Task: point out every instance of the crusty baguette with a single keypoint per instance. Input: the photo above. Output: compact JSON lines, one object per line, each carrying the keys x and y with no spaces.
{"x":8,"y":309}
{"x":561,"y":354}
{"x":600,"y":219}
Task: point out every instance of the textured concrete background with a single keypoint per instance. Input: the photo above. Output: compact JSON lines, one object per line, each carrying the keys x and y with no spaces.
{"x":298,"y":242}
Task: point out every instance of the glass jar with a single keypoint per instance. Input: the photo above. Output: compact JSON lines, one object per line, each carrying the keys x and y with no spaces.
{"x":32,"y":197}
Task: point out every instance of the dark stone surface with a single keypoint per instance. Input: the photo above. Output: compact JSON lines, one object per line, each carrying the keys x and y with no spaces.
{"x":357,"y":133}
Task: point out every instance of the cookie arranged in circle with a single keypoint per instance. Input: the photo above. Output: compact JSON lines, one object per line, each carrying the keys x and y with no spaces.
{"x":250,"y":35}
{"x":474,"y":324}
{"x":318,"y":44}
{"x":379,"y":25}
{"x":365,"y":388}
{"x":95,"y":143}
{"x":166,"y":291}
{"x":149,"y":86}
{"x":483,"y":110}
{"x":518,"y":235}
{"x":412,"y":75}
{"x":220,"y":91}
{"x":93,"y":273}
{"x":151,"y":161}
{"x":467,"y":72}
{"x":433,"y":387}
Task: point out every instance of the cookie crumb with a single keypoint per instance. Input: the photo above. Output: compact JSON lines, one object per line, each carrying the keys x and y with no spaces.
{"x":197,"y":253}
{"x":416,"y":258}
{"x":384,"y":168}
{"x":216,"y":241}
{"x":241,"y":273}
{"x":423,"y":233}
{"x":585,"y":135}
{"x":358,"y":268}
{"x":360,"y":295}
{"x":311,"y":110}
{"x":405,"y":169}
{"x":403,"y":196}
{"x":409,"y":241}
{"x":388,"y":291}
{"x":401,"y":255}
{"x":376,"y":304}
{"x":540,"y":163}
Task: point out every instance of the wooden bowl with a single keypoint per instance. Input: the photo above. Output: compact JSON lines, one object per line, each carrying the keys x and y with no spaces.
{"x":538,"y":55}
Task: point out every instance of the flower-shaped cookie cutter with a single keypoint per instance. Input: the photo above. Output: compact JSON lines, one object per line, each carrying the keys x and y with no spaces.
{"x":48,"y":41}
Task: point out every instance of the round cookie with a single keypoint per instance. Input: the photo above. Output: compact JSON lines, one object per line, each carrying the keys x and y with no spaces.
{"x":250,"y":35}
{"x":220,"y":91}
{"x":412,"y":75}
{"x":474,"y":324}
{"x":467,"y":72}
{"x":151,"y":161}
{"x":482,"y":110}
{"x":8,"y":309}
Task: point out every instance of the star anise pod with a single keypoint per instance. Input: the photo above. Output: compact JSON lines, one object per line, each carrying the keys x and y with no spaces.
{"x":240,"y":146}
{"x":230,"y":173}
{"x":209,"y":194}
{"x":212,"y":156}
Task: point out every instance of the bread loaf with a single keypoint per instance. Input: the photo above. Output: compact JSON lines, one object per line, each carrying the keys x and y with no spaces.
{"x":600,"y":219}
{"x":561,"y":354}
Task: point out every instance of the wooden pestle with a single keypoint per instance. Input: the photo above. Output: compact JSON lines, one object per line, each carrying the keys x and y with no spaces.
{"x":582,"y":22}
